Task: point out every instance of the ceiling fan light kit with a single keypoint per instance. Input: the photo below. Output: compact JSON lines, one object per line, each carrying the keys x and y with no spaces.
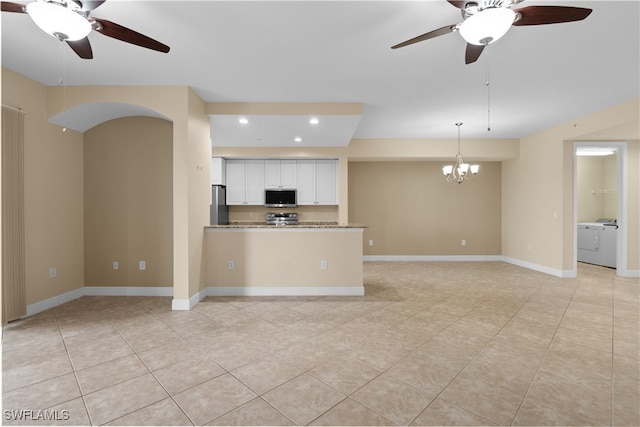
{"x":487,"y":25}
{"x":63,"y":20}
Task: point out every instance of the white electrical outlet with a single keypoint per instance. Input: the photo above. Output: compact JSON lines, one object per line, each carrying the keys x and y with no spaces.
{"x":53,"y":272}
{"x":231,"y":265}
{"x":142,"y":265}
{"x":464,"y":242}
{"x":370,"y":242}
{"x":116,"y":265}
{"x":324,"y":265}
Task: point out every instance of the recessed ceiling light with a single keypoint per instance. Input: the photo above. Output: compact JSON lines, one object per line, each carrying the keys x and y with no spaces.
{"x":243,"y":120}
{"x":314,"y":121}
{"x":297,"y":139}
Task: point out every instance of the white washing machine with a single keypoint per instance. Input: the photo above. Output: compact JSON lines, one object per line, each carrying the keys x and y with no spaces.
{"x":597,"y":242}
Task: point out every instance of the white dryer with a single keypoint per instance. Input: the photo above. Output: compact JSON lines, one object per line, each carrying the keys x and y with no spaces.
{"x":597,"y":242}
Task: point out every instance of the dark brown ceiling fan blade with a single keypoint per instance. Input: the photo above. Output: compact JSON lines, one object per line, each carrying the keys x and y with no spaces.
{"x":8,"y":6}
{"x":431,"y":34}
{"x":81,"y":47}
{"x":540,"y":15}
{"x":91,"y":4}
{"x":458,"y":4}
{"x":125,"y":34}
{"x":472,"y":53}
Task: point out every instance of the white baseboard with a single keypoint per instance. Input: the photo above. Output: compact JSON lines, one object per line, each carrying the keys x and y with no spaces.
{"x":133,"y":291}
{"x":519,"y":263}
{"x":143,"y":291}
{"x":238,"y":291}
{"x":188,"y":304}
{"x":632,"y":273}
{"x":541,"y":268}
{"x":52,"y":302}
{"x":627,"y":273}
{"x":432,"y":258}
{"x":216,"y":291}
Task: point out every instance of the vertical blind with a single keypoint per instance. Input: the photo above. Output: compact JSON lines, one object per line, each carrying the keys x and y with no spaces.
{"x":14,"y":301}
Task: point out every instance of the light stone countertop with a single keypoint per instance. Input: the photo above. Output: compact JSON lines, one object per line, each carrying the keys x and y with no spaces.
{"x":299,"y":225}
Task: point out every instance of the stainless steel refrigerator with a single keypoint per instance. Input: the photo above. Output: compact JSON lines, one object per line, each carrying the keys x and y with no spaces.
{"x":219,"y":209}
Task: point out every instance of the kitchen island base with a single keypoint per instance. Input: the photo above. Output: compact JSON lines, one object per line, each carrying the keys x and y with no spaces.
{"x":287,"y":261}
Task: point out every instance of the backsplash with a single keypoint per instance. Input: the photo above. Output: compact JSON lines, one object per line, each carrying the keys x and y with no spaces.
{"x":305,"y":213}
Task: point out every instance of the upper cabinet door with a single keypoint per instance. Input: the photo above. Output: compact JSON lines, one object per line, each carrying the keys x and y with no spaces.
{"x":279,"y":173}
{"x":254,"y":182}
{"x":306,"y":182}
{"x":235,"y":182}
{"x":288,"y":173}
{"x":272,"y":173}
{"x":317,"y":182}
{"x":245,"y":182}
{"x":218,"y":171}
{"x":326,"y":182}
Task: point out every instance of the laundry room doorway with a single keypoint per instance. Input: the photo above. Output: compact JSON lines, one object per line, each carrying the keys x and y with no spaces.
{"x":600,"y":204}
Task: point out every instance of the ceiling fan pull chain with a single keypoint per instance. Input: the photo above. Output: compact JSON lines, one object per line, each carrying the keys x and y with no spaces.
{"x":62,"y":81}
{"x":487,"y":84}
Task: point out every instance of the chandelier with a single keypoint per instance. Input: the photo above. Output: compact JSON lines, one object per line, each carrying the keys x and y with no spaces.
{"x":460,"y":170}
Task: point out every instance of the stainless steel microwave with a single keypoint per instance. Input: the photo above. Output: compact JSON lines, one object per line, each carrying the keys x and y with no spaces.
{"x":280,"y":198}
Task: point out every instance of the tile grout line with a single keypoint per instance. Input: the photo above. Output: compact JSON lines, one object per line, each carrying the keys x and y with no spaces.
{"x":73,"y":369}
{"x":535,"y":375}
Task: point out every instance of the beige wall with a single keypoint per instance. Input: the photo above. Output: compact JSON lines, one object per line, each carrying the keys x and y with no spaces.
{"x":594,"y":175}
{"x":538,"y":224}
{"x":191,"y":153}
{"x":409,"y":209}
{"x":199,"y":177}
{"x":128,"y":202}
{"x":53,"y":194}
{"x":283,"y":258}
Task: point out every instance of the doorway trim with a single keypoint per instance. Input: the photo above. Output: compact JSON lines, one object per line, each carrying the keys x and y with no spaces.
{"x":621,"y":204}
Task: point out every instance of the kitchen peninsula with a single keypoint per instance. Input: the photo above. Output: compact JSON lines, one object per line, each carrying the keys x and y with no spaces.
{"x":306,"y":259}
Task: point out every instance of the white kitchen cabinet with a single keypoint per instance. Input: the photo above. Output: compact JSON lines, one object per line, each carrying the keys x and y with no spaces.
{"x":254,"y":184}
{"x":245,"y":182}
{"x":316,"y":181}
{"x":218,"y":171}
{"x":326,"y":172}
{"x":288,"y":173}
{"x":279,"y":173}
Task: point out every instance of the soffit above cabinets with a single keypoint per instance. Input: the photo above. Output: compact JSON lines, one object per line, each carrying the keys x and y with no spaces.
{"x":283,"y":124}
{"x":282,"y":131}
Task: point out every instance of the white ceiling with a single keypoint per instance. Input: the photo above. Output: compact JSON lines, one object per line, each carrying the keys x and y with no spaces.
{"x":339,"y":51}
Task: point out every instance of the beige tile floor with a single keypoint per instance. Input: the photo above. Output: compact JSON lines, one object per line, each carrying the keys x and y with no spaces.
{"x":429,"y":344}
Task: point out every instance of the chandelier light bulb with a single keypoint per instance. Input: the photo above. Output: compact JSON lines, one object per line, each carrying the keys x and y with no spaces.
{"x":487,"y":25}
{"x":59,"y":21}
